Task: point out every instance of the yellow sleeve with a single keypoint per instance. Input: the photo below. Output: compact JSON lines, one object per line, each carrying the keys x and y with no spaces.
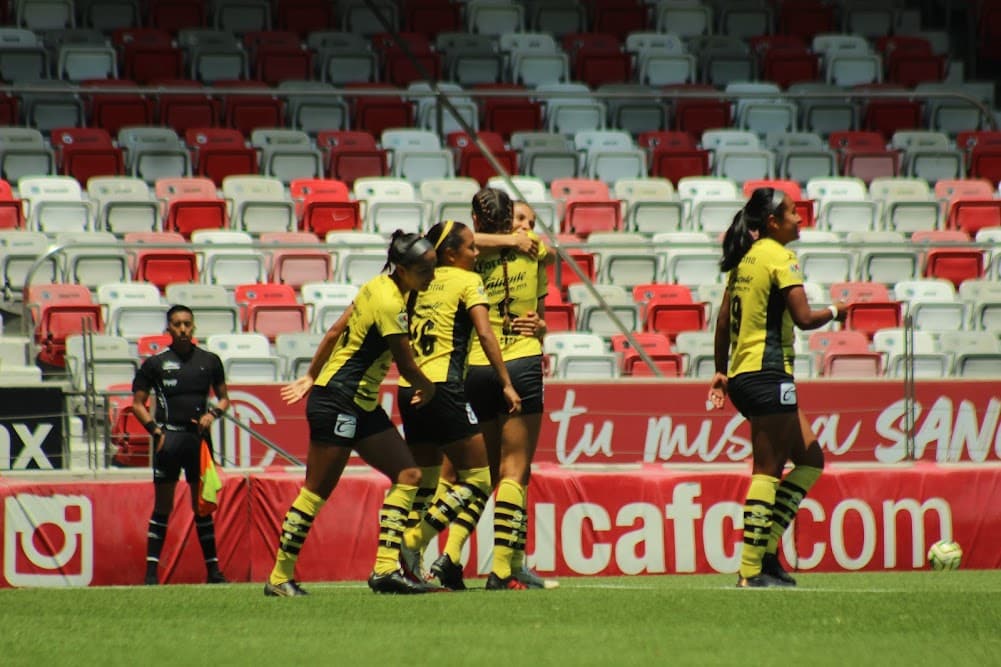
{"x":391,"y":317}
{"x":473,"y":292}
{"x":786,"y":271}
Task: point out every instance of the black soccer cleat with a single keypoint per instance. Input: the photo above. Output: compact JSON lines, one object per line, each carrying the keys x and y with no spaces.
{"x":287,"y":589}
{"x":495,"y":583}
{"x":449,"y":574}
{"x":395,"y":582}
{"x":758,"y":581}
{"x":771,"y":566}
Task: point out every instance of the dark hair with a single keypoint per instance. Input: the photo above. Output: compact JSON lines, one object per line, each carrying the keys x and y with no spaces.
{"x":494,"y":211}
{"x":450,"y":242}
{"x":178,"y":308}
{"x":763,"y":203}
{"x":406,"y":249}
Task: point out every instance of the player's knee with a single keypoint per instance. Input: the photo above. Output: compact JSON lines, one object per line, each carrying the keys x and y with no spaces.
{"x":409,"y":476}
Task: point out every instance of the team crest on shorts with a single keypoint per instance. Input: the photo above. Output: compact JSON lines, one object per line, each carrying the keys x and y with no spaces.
{"x":787,"y":393}
{"x":345,"y":426}
{"x":471,"y":414}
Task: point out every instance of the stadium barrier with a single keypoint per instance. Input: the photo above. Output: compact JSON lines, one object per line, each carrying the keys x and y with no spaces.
{"x":649,"y":521}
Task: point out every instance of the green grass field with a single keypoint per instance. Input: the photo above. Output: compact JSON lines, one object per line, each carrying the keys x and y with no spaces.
{"x":916,"y":618}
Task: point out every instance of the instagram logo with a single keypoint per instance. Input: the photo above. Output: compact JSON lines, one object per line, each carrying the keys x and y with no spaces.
{"x":48,"y":540}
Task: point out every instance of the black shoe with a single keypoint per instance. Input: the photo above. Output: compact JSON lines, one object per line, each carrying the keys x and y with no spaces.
{"x":495,"y":583}
{"x":771,"y":566}
{"x":151,"y":579}
{"x":216,"y":577}
{"x":449,"y":574}
{"x":757,"y":581}
{"x":395,"y":582}
{"x":412,"y":563}
{"x":288,"y":589}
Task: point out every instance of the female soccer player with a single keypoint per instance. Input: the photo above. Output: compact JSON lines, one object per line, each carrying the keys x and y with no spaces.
{"x":445,"y":317}
{"x":764,"y":297}
{"x":516,"y":288}
{"x":343,"y":413}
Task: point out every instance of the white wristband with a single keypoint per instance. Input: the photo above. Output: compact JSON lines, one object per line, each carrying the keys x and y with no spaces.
{"x":834,"y":311}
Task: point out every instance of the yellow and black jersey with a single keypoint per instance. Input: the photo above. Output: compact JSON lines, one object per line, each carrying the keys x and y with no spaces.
{"x":761,"y":328}
{"x":441,"y":328}
{"x":361,"y":359}
{"x":514,"y":288}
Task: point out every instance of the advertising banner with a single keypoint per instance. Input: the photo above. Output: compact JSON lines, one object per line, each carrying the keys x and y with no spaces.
{"x":650,"y":521}
{"x":667,"y":422}
{"x":31,"y":428}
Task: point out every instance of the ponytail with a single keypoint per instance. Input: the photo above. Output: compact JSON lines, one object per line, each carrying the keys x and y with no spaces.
{"x":406,"y":249}
{"x":749,"y":224}
{"x":444,"y":236}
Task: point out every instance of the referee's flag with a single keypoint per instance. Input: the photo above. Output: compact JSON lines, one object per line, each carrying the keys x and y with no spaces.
{"x":209,"y":484}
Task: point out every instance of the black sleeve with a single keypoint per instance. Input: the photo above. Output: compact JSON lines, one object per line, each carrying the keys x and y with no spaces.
{"x":146,"y":376}
{"x":218,"y":372}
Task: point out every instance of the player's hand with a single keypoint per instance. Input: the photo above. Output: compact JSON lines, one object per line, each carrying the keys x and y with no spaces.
{"x":525,"y":244}
{"x":297,"y":389}
{"x":529,"y":324}
{"x":204,"y":423}
{"x":158,"y":441}
{"x":717,"y":392}
{"x":423,"y":395}
{"x":512,"y":399}
{"x":842,"y":311}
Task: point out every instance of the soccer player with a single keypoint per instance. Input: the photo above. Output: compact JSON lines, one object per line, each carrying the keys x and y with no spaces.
{"x":445,"y":317}
{"x":764,"y":298}
{"x":182,"y":377}
{"x":344,"y":414}
{"x":516,"y":288}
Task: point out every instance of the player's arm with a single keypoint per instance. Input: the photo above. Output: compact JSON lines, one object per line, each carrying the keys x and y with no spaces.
{"x":295,"y":390}
{"x":222,"y":405}
{"x":480,"y":316}
{"x":805,"y":317}
{"x":399,"y":347}
{"x":721,"y":352}
{"x":519,"y":241}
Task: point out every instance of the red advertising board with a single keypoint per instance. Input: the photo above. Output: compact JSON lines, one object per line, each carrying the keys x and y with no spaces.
{"x":650,"y":521}
{"x":666,"y":422}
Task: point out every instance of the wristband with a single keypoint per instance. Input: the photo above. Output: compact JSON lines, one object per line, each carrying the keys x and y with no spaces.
{"x":151,"y":427}
{"x":834,"y":311}
{"x":215,"y":412}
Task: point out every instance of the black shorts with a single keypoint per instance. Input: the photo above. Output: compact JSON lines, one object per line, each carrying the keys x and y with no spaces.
{"x":446,"y":419}
{"x":335,"y":419}
{"x":483,"y":388}
{"x":761,"y":393}
{"x":181,"y":449}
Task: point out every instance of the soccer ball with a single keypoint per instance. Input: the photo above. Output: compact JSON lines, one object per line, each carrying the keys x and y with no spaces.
{"x":945,"y":555}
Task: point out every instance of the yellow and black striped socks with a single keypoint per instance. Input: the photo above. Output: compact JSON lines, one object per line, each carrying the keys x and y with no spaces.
{"x":757,"y":523}
{"x":473,"y":486}
{"x":425,"y":492}
{"x":295,"y":528}
{"x":465,"y":523}
{"x":509,"y":517}
{"x":788,"y":496}
{"x":392,"y":519}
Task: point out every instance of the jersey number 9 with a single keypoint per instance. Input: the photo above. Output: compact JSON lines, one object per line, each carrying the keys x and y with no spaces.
{"x":735,"y":312}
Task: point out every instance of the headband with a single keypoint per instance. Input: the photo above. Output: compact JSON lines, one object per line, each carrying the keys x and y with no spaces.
{"x":444,"y":233}
{"x":778,"y":196}
{"x":416,"y":250}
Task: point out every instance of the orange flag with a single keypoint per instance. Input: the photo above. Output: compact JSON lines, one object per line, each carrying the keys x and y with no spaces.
{"x":209,"y":484}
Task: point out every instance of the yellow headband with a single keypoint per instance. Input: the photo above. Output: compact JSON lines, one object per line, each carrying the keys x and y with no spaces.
{"x":444,"y":233}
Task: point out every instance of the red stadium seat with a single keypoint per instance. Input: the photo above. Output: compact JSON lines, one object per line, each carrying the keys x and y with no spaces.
{"x":805,"y":18}
{"x":431,"y":17}
{"x":220,"y":152}
{"x":270,"y":309}
{"x":304,"y":16}
{"x":175,"y":15}
{"x":582,"y":217}
{"x":376,"y":114}
{"x":274,"y":64}
{"x":836,"y":363}
{"x":11,"y":212}
{"x":561,"y":276}
{"x":677,"y":164}
{"x":788,"y":66}
{"x":59,"y":311}
{"x":654,"y":343}
{"x":473,"y":163}
{"x":249,"y":112}
{"x":183,"y":111}
{"x":954,"y":264}
{"x":618,"y":17}
{"x":598,"y":65}
{"x":113,"y":111}
{"x":352,"y":154}
{"x":670,"y":318}
{"x":505,"y":115}
{"x":696,"y":115}
{"x":667,"y":140}
{"x":985,"y":162}
{"x":972,"y":215}
{"x":192,"y":204}
{"x":86,"y":152}
{"x":8,"y":109}
{"x":297,"y":266}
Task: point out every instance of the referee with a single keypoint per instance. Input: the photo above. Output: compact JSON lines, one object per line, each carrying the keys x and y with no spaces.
{"x":181,"y":376}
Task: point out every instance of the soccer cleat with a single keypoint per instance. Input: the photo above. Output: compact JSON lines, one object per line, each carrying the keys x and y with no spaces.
{"x":286,"y":589}
{"x":495,"y":583}
{"x":449,"y":574}
{"x":757,"y":581}
{"x":771,"y":566}
{"x":531,"y":579}
{"x":396,"y":582}
{"x":215,"y":576}
{"x":412,"y":564}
